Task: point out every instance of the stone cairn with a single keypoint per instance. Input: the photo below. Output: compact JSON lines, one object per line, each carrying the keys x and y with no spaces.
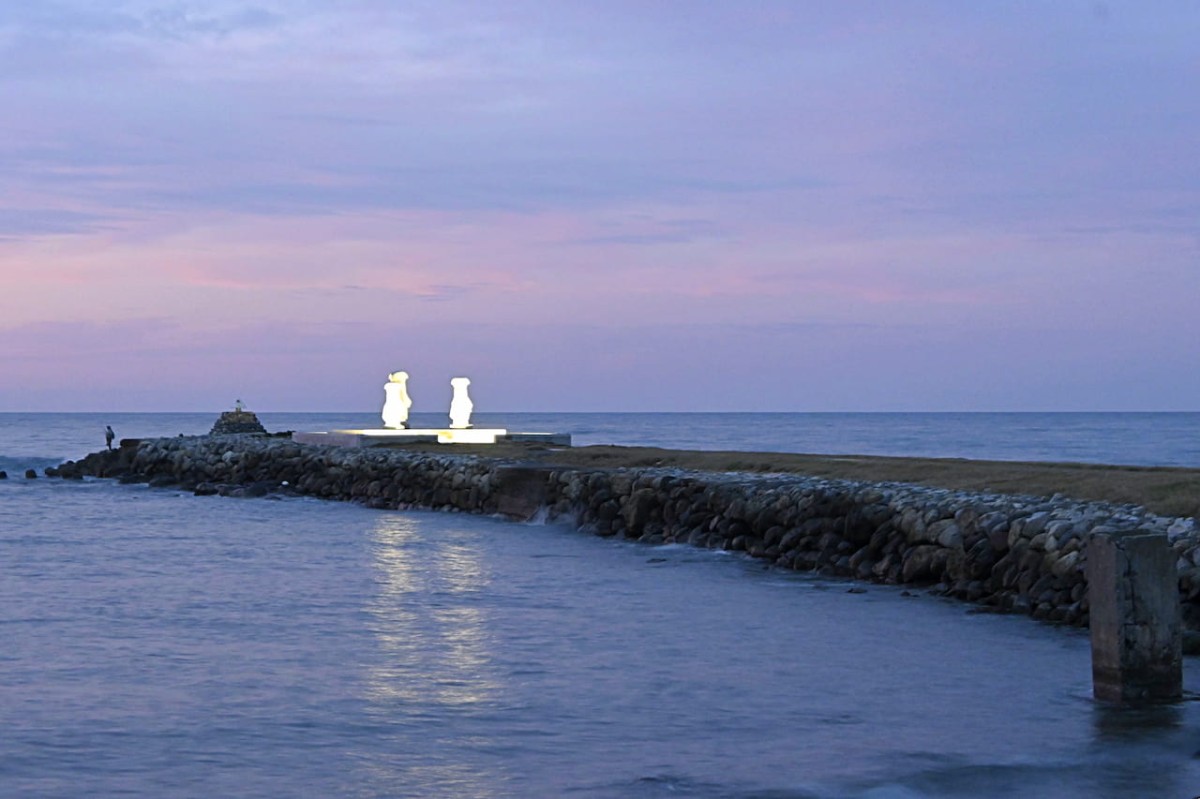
{"x":237,"y":421}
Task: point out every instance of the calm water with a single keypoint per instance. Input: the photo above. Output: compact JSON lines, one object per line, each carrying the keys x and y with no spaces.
{"x":159,"y":644}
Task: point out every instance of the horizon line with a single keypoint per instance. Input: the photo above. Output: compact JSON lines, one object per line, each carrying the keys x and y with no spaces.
{"x":627,"y":412}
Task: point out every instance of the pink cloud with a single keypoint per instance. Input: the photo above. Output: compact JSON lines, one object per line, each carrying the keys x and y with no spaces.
{"x":633,"y":201}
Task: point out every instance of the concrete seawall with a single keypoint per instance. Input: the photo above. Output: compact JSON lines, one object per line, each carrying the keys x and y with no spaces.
{"x":1019,"y":554}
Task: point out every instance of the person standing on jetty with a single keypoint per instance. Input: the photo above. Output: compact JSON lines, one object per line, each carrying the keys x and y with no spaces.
{"x":109,"y":435}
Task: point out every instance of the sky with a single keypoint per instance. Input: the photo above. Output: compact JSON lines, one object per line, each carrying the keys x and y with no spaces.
{"x":619,"y":205}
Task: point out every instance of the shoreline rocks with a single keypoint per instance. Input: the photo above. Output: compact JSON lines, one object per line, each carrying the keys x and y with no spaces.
{"x":1008,"y":553}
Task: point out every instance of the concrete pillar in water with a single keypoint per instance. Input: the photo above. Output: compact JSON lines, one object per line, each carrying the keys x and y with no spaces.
{"x":1136,"y":625}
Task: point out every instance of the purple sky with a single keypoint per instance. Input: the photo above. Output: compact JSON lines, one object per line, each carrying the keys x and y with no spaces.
{"x":600,"y":206}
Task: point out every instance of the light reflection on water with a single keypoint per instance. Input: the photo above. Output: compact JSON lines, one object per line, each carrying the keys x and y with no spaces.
{"x":436,"y":650}
{"x":434,"y":659}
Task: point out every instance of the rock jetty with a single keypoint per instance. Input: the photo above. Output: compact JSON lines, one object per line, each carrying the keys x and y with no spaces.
{"x":1009,"y":553}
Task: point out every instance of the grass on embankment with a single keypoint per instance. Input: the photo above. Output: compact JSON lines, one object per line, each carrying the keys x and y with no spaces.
{"x":1164,"y":490}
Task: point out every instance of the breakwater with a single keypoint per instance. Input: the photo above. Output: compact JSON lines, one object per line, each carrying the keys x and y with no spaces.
{"x":1010,"y":553}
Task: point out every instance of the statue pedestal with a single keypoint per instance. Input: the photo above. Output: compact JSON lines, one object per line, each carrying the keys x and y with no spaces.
{"x":382,"y":436}
{"x":440,"y":435}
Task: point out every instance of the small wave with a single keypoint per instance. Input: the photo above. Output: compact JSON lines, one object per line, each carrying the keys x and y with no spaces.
{"x":18,"y":465}
{"x":541,"y":517}
{"x":688,"y":553}
{"x":1102,"y":774}
{"x":673,"y":785}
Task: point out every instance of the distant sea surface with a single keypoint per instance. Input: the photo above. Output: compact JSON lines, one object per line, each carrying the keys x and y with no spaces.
{"x":1143,"y":439}
{"x":158,"y":644}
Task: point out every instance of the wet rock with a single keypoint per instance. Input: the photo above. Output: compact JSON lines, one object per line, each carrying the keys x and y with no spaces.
{"x":258,"y":489}
{"x":948,"y":534}
{"x":1065,"y":565}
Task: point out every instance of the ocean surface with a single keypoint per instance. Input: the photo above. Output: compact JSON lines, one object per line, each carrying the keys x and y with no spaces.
{"x":157,"y":644}
{"x":1143,"y":439}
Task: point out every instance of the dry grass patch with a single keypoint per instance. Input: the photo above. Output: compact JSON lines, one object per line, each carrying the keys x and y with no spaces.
{"x":1165,"y":490}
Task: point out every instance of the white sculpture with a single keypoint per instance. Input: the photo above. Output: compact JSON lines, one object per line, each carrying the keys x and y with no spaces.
{"x":395,"y":407}
{"x":460,"y":404}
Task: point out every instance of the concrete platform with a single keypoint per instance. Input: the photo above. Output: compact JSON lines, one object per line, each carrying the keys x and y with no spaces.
{"x":383,"y":436}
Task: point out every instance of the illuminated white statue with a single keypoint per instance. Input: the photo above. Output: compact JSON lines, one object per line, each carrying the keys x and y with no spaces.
{"x":395,"y":407}
{"x":460,"y":404}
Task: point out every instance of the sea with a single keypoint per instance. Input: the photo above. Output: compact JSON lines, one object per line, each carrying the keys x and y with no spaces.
{"x":158,"y":644}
